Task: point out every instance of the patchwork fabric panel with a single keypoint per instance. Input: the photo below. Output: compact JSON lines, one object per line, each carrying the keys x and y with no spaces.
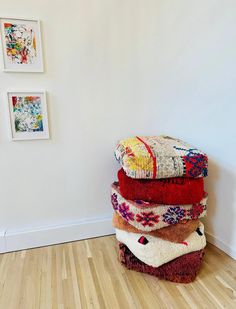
{"x":148,"y":217}
{"x":178,"y":190}
{"x":175,"y":232}
{"x":154,"y":157}
{"x":155,"y":251}
{"x":183,"y":269}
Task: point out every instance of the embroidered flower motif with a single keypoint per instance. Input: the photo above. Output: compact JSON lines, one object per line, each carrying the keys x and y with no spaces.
{"x":195,"y":211}
{"x":114,"y":201}
{"x":173,"y":215}
{"x":125,"y":213}
{"x":147,"y":218}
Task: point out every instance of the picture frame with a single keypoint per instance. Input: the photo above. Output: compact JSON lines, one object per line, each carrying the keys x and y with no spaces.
{"x":21,"y":45}
{"x":28,"y":116}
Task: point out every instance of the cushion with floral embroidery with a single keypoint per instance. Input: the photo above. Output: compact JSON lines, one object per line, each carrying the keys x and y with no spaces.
{"x":155,"y":157}
{"x":148,"y":217}
{"x":155,"y":251}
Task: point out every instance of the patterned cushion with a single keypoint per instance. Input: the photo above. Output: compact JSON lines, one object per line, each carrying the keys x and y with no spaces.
{"x":160,"y":157}
{"x":155,"y":251}
{"x":148,"y":217}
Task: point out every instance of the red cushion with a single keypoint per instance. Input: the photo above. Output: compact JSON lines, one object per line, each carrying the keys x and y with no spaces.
{"x":172,"y":191}
{"x":183,"y":269}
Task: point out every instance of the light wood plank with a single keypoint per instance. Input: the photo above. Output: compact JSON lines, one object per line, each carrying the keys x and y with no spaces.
{"x":87,"y":274}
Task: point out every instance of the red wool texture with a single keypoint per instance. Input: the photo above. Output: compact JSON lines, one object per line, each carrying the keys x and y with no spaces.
{"x":183,"y":269}
{"x":170,"y":191}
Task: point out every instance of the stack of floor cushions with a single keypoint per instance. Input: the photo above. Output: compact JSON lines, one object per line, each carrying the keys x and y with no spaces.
{"x":158,"y":200}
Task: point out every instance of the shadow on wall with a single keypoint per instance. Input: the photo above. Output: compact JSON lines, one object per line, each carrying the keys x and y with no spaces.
{"x":210,"y":184}
{"x":220,"y":185}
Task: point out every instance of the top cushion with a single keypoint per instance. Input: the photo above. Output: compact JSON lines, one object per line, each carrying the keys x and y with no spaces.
{"x":155,"y":157}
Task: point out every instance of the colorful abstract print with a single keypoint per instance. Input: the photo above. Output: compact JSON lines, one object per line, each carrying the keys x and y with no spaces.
{"x":20,"y":43}
{"x":149,"y":216}
{"x":27,"y":112}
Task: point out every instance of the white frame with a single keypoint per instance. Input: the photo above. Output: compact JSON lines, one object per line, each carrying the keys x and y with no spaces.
{"x":22,"y":68}
{"x":21,"y":136}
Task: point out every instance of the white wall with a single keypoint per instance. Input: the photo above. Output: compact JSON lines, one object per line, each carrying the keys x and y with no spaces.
{"x":117,"y":68}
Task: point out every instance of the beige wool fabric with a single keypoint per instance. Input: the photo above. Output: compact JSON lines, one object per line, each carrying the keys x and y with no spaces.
{"x":158,"y":251}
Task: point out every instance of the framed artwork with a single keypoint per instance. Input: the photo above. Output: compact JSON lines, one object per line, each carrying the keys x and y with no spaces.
{"x":21,"y":45}
{"x":28,"y":115}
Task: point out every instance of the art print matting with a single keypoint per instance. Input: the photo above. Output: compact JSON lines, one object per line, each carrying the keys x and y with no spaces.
{"x":21,"y":45}
{"x":28,"y":115}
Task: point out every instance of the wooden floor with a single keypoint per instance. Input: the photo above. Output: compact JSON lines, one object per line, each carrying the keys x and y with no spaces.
{"x":87,"y":274}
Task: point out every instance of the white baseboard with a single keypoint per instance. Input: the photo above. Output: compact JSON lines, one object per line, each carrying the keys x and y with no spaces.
{"x":49,"y":235}
{"x":221,"y":245}
{"x":14,"y":240}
